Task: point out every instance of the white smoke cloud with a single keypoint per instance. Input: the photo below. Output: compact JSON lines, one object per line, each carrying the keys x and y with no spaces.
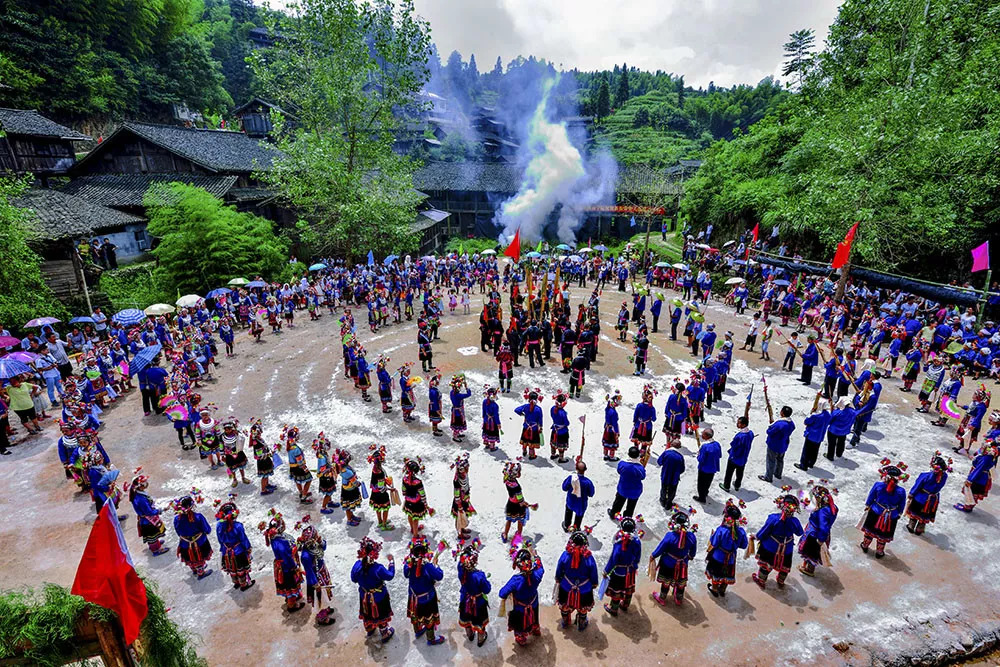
{"x":554,"y":167}
{"x":598,"y":187}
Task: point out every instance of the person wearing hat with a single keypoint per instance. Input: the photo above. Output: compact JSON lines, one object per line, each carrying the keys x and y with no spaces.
{"x":674,"y":551}
{"x":723,"y":546}
{"x":192,"y":530}
{"x":709,"y":456}
{"x":630,"y":476}
{"x":708,"y":340}
{"x":421,"y":570}
{"x":925,"y":494}
{"x":675,"y":318}
{"x":375,"y":607}
{"x":149,"y":523}
{"x":776,"y":541}
{"x":973,"y":419}
{"x":516,"y":509}
{"x":814,"y":545}
{"x":531,"y":429}
{"x":384,"y":383}
{"x":459,"y":392}
{"x":287,"y":573}
{"x":237,"y":554}
{"x":934,"y":374}
{"x":911,"y":370}
{"x":491,"y":419}
{"x":622,"y":565}
{"x":623,"y":321}
{"x":473,"y":604}
{"x":810,"y":358}
{"x":579,"y":490}
{"x":980,"y":479}
{"x":885,"y":504}
{"x":576,"y":578}
{"x":611,"y":433}
{"x":522,"y":589}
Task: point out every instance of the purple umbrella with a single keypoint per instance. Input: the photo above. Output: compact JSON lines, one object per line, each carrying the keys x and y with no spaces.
{"x":12,"y":368}
{"x":9,"y":341}
{"x":23,"y":357}
{"x":42,"y":321}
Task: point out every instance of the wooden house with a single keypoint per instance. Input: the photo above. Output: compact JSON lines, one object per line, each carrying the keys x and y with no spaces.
{"x":33,"y":144}
{"x":255,"y":117}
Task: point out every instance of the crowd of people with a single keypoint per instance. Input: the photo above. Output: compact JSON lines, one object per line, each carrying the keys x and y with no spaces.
{"x":527,"y":309}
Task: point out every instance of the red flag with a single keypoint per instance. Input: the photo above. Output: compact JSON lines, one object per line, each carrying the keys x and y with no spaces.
{"x":107,"y":577}
{"x":753,"y":242}
{"x":844,"y":248}
{"x":514,"y":249}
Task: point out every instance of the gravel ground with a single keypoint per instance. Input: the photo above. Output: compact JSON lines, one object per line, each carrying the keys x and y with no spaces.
{"x":932,"y":598}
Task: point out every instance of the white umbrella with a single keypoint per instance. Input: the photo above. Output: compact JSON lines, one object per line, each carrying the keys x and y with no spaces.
{"x":188,"y":301}
{"x":735,"y":281}
{"x":488,"y":252}
{"x":159,"y":309}
{"x":682,"y":267}
{"x":581,"y":250}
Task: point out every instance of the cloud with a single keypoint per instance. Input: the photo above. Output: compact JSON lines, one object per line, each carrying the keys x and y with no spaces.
{"x":725,"y":41}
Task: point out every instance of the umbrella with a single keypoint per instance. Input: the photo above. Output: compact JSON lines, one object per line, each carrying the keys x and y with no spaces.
{"x":782,"y":283}
{"x":662,"y":265}
{"x":82,"y":319}
{"x":601,"y":248}
{"x":188,"y":300}
{"x":562,"y":246}
{"x":317,"y":267}
{"x":42,"y":321}
{"x":534,"y":255}
{"x":23,"y":357}
{"x":128,"y":317}
{"x":728,"y":243}
{"x":735,"y":281}
{"x":159,"y":309}
{"x":429,"y":258}
{"x":216,"y":293}
{"x":9,"y":341}
{"x":682,"y":267}
{"x":739,"y":262}
{"x":677,"y":302}
{"x":143,"y":358}
{"x":703,"y":246}
{"x":237,"y":282}
{"x":390,"y":259}
{"x":488,"y":252}
{"x":11,"y":368}
{"x":697,"y":317}
{"x":582,"y":250}
{"x":256,"y":283}
{"x":108,"y":478}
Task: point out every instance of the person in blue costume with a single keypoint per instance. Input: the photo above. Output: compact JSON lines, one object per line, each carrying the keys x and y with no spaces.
{"x":675,"y":414}
{"x":350,"y":486}
{"x":724,"y":546}
{"x":814,"y":545}
{"x":623,"y":565}
{"x":884,"y":506}
{"x":406,"y":398}
{"x":643,"y":418}
{"x":473,"y":603}
{"x":531,"y":429}
{"x":522,"y":589}
{"x":739,"y":451}
{"x":516,"y":509}
{"x":287,"y":573}
{"x":925,"y":494}
{"x":384,"y":383}
{"x":103,"y":479}
{"x":674,"y":551}
{"x":364,"y":379}
{"x":148,"y":520}
{"x":559,"y":436}
{"x":576,"y":577}
{"x":671,"y":464}
{"x":579,"y":490}
{"x":237,"y":554}
{"x":611,"y":435}
{"x":421,"y":570}
{"x":375,"y":609}
{"x":980,"y":479}
{"x":193,"y":530}
{"x":459,"y":392}
{"x":297,"y":468}
{"x":491,"y":419}
{"x":434,"y":403}
{"x":973,"y":420}
{"x":776,"y":541}
{"x":461,"y":503}
{"x":312,"y":551}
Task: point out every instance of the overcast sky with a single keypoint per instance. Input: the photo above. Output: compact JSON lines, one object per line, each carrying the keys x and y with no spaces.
{"x":725,"y":41}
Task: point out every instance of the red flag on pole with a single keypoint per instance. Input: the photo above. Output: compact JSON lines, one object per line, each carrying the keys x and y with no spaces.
{"x":514,"y":249}
{"x":106,"y":576}
{"x":844,"y":248}
{"x":753,"y":242}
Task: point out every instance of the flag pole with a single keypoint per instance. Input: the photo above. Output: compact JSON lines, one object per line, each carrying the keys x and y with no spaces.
{"x":985,"y":298}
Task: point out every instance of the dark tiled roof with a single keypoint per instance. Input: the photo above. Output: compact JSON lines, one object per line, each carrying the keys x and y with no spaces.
{"x":251,"y":194}
{"x":31,"y":123}
{"x":215,"y":150}
{"x":264,"y":103}
{"x":506,"y":178}
{"x":128,"y":189}
{"x":59,"y":216}
{"x":691,"y":163}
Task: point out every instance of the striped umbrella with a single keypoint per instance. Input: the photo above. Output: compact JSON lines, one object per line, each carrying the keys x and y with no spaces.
{"x":23,"y":357}
{"x":143,"y":358}
{"x":129,"y":316}
{"x":11,"y":368}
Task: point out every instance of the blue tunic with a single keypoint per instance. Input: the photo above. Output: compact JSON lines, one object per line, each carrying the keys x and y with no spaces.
{"x":709,"y":457}
{"x":524,"y":589}
{"x":371,"y":580}
{"x":820,"y":523}
{"x":232,"y":539}
{"x":422,"y":584}
{"x":671,"y":464}
{"x":927,"y":487}
{"x":624,"y":561}
{"x":630,"y":476}
{"x":582,"y":578}
{"x":777,"y":540}
{"x":671,"y":551}
{"x":578,"y":504}
{"x":724,"y":543}
{"x":739,"y":447}
{"x":881,"y":500}
{"x":560,"y":420}
{"x":472,"y":595}
{"x":643,"y":418}
{"x":676,"y":410}
{"x":145,"y":509}
{"x":816,"y":425}
{"x":981,"y":466}
{"x":778,"y":435}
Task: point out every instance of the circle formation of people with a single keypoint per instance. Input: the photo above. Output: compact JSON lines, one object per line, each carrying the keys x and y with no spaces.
{"x":840,"y":334}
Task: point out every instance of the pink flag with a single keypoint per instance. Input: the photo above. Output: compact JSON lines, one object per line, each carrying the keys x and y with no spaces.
{"x":981,"y":257}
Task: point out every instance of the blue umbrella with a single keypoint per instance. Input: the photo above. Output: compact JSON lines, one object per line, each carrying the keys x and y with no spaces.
{"x":562,"y":246}
{"x":602,"y":248}
{"x":256,"y":283}
{"x":129,"y":316}
{"x":390,"y":259}
{"x":143,"y":358}
{"x":782,"y":283}
{"x":83,"y":319}
{"x":533,"y":254}
{"x":317,"y":267}
{"x":10,"y":368}
{"x":216,"y":293}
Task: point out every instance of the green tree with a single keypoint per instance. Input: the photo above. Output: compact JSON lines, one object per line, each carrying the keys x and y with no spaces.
{"x":622,"y":91}
{"x":641,"y":118}
{"x":680,"y":92}
{"x":24,"y":295}
{"x":603,"y":100}
{"x":345,"y":67}
{"x":799,"y":54}
{"x":203,"y":243}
